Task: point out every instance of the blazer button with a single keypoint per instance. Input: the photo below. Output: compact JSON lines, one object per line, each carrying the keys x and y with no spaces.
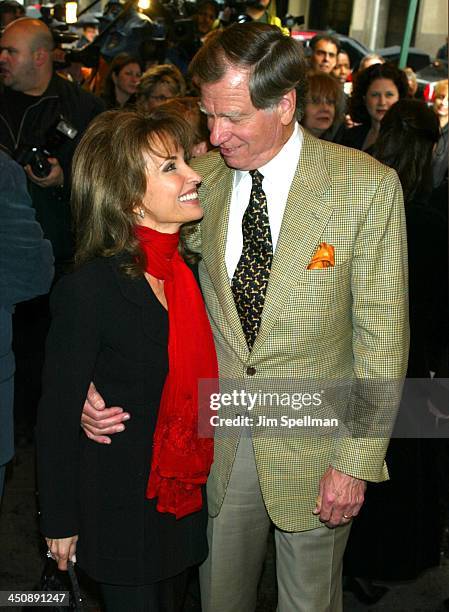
{"x":251,"y":370}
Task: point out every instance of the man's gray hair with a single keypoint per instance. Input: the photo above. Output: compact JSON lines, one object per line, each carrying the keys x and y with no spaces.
{"x":275,"y":62}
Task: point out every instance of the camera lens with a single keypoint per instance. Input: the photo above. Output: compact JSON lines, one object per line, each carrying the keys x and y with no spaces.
{"x":39,"y":163}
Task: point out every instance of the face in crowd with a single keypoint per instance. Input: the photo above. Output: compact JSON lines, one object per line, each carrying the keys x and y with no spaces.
{"x":324,"y":56}
{"x":319,"y":114}
{"x":380,"y":96}
{"x":205,"y":19}
{"x":440,"y":102}
{"x":17,"y":59}
{"x":127,"y":80}
{"x":342,"y":68}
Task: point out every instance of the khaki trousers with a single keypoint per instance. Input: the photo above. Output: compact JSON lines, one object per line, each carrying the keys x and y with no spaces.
{"x":308,"y":563}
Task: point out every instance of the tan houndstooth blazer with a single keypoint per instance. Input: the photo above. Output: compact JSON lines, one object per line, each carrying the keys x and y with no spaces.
{"x":345,"y":322}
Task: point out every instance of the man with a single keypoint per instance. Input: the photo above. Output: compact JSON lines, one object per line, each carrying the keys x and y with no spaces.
{"x":32,"y":103}
{"x":324,"y":53}
{"x":89,"y":24}
{"x":26,"y":270}
{"x":10,"y":10}
{"x":258,"y":10}
{"x":274,"y":316}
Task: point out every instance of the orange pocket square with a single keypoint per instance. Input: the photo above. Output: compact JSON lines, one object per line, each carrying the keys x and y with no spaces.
{"x":323,"y":258}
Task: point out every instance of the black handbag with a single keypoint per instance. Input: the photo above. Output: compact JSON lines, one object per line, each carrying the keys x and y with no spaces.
{"x":53,"y":580}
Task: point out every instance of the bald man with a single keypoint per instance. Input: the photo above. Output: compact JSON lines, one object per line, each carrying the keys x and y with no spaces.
{"x":32,"y":102}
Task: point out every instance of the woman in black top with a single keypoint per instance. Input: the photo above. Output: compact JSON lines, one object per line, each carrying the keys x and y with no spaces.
{"x":121,"y":82}
{"x":111,"y":326}
{"x":407,"y":541}
{"x":375,"y":90}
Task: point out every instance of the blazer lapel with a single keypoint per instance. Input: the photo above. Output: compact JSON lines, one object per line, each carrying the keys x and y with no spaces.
{"x":214,"y":229}
{"x":306,"y":215}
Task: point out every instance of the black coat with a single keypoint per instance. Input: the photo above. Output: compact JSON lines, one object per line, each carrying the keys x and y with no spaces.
{"x":110,"y":329}
{"x":78,"y":107}
{"x":354,"y":137}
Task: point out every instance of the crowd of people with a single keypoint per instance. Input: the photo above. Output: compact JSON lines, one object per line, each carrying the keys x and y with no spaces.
{"x":239,"y":214}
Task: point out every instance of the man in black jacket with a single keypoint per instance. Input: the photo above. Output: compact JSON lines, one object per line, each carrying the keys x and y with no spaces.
{"x":32,"y":103}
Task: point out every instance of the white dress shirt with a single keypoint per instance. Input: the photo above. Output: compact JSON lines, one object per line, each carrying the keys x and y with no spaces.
{"x":277,"y":177}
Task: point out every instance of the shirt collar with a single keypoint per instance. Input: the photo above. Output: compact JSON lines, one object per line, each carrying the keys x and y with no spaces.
{"x":287,"y":156}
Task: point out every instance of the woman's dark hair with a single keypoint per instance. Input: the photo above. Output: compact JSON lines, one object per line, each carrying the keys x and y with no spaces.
{"x":118,"y":63}
{"x":110,"y":178}
{"x":362,"y":82}
{"x":274,"y":61}
{"x":408,"y":133}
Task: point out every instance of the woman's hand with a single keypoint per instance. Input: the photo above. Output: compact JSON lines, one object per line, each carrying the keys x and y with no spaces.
{"x":62,"y":549}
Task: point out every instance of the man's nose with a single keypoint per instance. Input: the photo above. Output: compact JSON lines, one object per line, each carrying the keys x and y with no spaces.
{"x":219,"y":132}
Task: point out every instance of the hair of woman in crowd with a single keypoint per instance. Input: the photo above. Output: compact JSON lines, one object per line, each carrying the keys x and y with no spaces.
{"x":121,"y":81}
{"x":325,"y":105}
{"x":159,"y":84}
{"x":363,"y":80}
{"x":412,"y":82}
{"x":406,"y":140}
{"x":370,"y":60}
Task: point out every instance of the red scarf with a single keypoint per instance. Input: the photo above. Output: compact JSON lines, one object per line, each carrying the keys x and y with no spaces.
{"x":181,"y":460}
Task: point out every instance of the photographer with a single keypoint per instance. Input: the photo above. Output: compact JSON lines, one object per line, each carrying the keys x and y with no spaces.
{"x":42,"y":117}
{"x":188,"y":34}
{"x":31,"y":106}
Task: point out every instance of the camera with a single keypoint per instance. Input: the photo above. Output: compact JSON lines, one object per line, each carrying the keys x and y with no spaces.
{"x":37,"y":155}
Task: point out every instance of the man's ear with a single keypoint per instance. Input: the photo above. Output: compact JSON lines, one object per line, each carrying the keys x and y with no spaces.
{"x":287,"y":107}
{"x":40,"y":57}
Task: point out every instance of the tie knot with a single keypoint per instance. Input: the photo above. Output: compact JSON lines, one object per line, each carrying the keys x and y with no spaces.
{"x":256,"y":176}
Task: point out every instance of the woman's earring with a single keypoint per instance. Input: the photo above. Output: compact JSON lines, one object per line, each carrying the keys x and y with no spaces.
{"x":141,"y":213}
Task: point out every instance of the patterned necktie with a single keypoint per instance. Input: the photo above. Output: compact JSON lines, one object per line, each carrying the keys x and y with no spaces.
{"x":250,"y":280}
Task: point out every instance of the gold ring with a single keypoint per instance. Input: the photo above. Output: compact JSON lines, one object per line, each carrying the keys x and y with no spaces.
{"x":345,"y":516}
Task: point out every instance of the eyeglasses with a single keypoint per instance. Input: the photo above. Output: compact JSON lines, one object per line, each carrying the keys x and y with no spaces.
{"x":316,"y":100}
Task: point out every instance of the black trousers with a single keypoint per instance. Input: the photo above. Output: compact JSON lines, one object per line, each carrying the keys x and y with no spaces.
{"x":164,"y":596}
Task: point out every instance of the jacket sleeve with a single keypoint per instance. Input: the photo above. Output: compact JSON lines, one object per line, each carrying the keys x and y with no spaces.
{"x":26,"y":259}
{"x":71,"y":352}
{"x":379,"y":285}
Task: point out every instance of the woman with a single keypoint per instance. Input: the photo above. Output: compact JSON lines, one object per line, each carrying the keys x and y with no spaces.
{"x":324,"y":109}
{"x":375,"y":90}
{"x":441,"y":109}
{"x":159,"y":84}
{"x":407,"y":541}
{"x":120,"y":85}
{"x":134,"y":529}
{"x":370,"y":60}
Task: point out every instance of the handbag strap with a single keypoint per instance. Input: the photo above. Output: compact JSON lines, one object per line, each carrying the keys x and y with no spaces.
{"x":75,"y":586}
